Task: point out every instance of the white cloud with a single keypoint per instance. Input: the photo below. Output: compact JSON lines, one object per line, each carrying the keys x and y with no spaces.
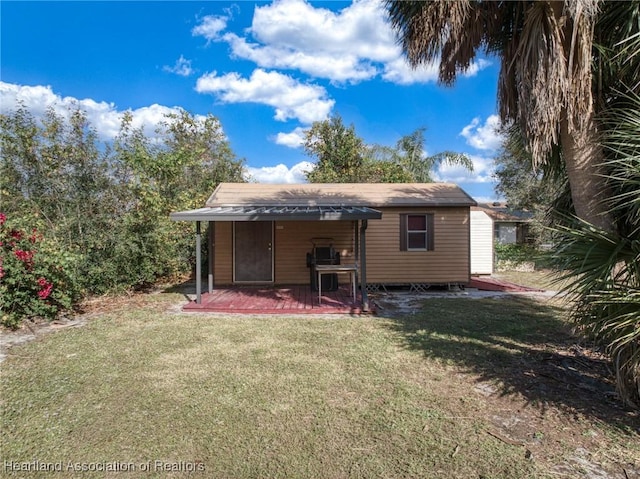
{"x":280,"y":173}
{"x":102,"y":116}
{"x":399,"y":71}
{"x":488,"y":199}
{"x":483,"y":137}
{"x":351,"y":45}
{"x":182,"y":67}
{"x":290,"y":98}
{"x":341,"y":46}
{"x":210,"y":27}
{"x":483,"y":168}
{"x":346,"y":67}
{"x":293,"y":139}
{"x":475,"y":67}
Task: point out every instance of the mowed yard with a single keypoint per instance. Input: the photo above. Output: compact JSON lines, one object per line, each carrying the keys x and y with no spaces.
{"x":457,"y":388}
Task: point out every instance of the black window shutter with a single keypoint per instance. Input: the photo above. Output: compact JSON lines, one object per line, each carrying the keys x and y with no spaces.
{"x":430,"y":222}
{"x":403,"y":232}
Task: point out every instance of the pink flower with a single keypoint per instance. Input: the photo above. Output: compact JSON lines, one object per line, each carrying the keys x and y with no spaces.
{"x":3,"y":218}
{"x":15,"y":234}
{"x":46,"y":288}
{"x":24,"y":256}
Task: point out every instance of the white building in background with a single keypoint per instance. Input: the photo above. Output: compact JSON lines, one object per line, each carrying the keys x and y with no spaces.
{"x":493,"y":223}
{"x":510,"y":226}
{"x":481,"y":232}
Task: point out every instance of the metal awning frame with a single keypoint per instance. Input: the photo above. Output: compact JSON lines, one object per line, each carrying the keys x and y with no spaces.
{"x":278,"y":213}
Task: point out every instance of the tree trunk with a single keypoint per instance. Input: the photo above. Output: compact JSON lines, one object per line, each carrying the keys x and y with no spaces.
{"x":582,"y":151}
{"x":583,"y":158}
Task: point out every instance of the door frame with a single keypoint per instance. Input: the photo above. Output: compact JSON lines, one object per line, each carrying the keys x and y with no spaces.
{"x":272,"y":280}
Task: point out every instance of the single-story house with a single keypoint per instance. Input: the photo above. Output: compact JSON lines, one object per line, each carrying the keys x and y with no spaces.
{"x":510,"y":226}
{"x":394,"y":234}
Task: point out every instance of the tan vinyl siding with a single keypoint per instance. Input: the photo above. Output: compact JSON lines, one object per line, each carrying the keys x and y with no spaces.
{"x":448,"y":263}
{"x":224,"y":253}
{"x":293,"y":242}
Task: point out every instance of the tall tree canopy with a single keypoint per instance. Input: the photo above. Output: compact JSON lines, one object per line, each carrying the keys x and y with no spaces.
{"x":110,"y":204}
{"x":337,"y":149}
{"x":545,"y":50}
{"x":343,"y":157}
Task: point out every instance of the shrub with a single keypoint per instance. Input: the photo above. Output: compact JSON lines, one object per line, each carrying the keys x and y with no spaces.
{"x":36,"y":278}
{"x":516,"y":257}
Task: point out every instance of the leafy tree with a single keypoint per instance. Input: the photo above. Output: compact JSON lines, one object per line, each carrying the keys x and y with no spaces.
{"x":409,"y":153}
{"x":55,"y":169}
{"x":56,"y":173}
{"x":541,"y":191}
{"x":19,"y":145}
{"x":517,"y":180}
{"x":337,"y":149}
{"x":196,"y":156}
{"x":344,"y":158}
{"x":175,"y":174}
{"x":108,"y":205}
{"x":382,"y":170}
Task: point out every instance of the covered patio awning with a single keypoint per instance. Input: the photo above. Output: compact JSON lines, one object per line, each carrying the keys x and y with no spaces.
{"x":278,"y":213}
{"x":290,"y":212}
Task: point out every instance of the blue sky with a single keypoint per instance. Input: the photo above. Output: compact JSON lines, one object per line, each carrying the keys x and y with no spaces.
{"x":266,"y":70}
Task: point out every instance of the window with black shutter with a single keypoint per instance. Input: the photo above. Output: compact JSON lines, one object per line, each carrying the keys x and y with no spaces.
{"x":416,"y":232}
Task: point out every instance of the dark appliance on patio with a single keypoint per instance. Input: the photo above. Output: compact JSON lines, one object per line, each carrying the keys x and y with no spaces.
{"x":321,"y":255}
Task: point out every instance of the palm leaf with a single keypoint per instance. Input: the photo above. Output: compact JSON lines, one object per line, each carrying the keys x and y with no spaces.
{"x":600,"y":274}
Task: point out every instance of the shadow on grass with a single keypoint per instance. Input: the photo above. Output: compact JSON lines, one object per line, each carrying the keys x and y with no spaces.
{"x":518,"y":345}
{"x":185,"y":287}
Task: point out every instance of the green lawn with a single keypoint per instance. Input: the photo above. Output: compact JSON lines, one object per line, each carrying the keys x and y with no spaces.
{"x":455,"y":390}
{"x":544,"y":279}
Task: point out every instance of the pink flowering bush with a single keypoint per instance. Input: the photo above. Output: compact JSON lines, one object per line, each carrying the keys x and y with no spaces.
{"x":36,"y":279}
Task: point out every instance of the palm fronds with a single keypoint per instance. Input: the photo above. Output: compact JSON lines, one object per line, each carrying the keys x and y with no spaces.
{"x":601,"y":275}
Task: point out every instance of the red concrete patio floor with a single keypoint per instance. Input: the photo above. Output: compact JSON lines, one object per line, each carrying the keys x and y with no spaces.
{"x":295,"y":299}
